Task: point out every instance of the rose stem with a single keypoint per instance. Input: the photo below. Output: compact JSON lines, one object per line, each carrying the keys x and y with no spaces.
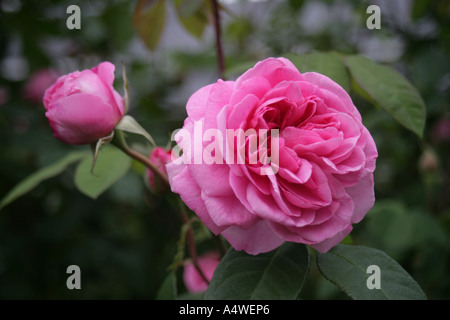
{"x":120,"y":142}
{"x":191,"y":242}
{"x":217,"y":29}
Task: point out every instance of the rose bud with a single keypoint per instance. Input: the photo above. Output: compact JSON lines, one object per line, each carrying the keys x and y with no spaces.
{"x":159,"y":157}
{"x":37,"y":84}
{"x":193,"y":280}
{"x":441,"y":130}
{"x":83,"y":107}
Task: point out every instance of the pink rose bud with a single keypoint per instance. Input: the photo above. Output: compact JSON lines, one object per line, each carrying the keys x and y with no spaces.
{"x":159,"y":157}
{"x":441,"y":130}
{"x":37,"y":84}
{"x":319,"y":180}
{"x":83,"y":107}
{"x":193,"y":280}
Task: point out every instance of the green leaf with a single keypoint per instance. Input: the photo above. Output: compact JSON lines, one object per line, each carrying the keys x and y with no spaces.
{"x":97,"y":146}
{"x":129,"y":124}
{"x":347,"y":240}
{"x":329,"y":64}
{"x":39,"y":176}
{"x":278,"y":274}
{"x":390,"y":91}
{"x":398,"y":229}
{"x":192,"y":14}
{"x":149,"y":18}
{"x":421,"y":8}
{"x":346,"y":266}
{"x":111,"y":165}
{"x":392,"y":226}
{"x":168,"y":289}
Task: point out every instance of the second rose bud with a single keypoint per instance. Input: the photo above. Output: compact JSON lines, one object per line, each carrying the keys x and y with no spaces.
{"x":159,"y":157}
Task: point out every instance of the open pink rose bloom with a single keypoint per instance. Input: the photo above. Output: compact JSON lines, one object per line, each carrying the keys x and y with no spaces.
{"x":83,"y":107}
{"x":319,"y":180}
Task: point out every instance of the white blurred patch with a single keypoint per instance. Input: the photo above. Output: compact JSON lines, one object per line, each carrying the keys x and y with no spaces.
{"x":315,"y":17}
{"x":10,"y":5}
{"x":381,"y":49}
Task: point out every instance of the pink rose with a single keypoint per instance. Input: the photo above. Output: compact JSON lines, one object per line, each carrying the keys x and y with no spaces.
{"x":323,"y":181}
{"x":193,"y":280}
{"x":159,"y":157}
{"x":37,"y":84}
{"x":83,"y":107}
{"x":441,"y":130}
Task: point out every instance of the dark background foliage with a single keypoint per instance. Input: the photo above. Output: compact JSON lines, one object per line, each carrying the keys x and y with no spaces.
{"x":125,"y":240}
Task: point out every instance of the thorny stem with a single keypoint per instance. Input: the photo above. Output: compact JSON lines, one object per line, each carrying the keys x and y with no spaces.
{"x":218,"y":32}
{"x":120,"y":142}
{"x":191,"y":242}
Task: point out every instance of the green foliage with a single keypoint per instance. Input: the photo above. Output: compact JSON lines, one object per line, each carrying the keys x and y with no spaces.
{"x":193,"y":14}
{"x":149,"y":20}
{"x":346,"y":266}
{"x":397,"y":229}
{"x":278,"y":274}
{"x":329,"y":64}
{"x":390,"y":91}
{"x":379,"y":84}
{"x":150,"y":17}
{"x":111,"y":165}
{"x":168,"y":289}
{"x":129,"y":124}
{"x":40,"y":176}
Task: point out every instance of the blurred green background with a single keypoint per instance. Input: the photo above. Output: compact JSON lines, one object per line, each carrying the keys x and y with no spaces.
{"x":125,"y":240}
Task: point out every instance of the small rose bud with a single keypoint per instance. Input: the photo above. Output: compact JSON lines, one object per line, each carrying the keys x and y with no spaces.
{"x":83,"y":107}
{"x":37,"y":84}
{"x":441,"y":130}
{"x":193,"y":280}
{"x":159,"y":157}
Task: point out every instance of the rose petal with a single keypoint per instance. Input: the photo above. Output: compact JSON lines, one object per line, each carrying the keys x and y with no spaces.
{"x":73,"y":123}
{"x":105,"y":71}
{"x":326,"y":245}
{"x":363,"y":196}
{"x":256,"y":86}
{"x":218,"y":98}
{"x":333,"y":94}
{"x":181,"y":182}
{"x":228,"y":211}
{"x":255,"y":240}
{"x":197,"y":103}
